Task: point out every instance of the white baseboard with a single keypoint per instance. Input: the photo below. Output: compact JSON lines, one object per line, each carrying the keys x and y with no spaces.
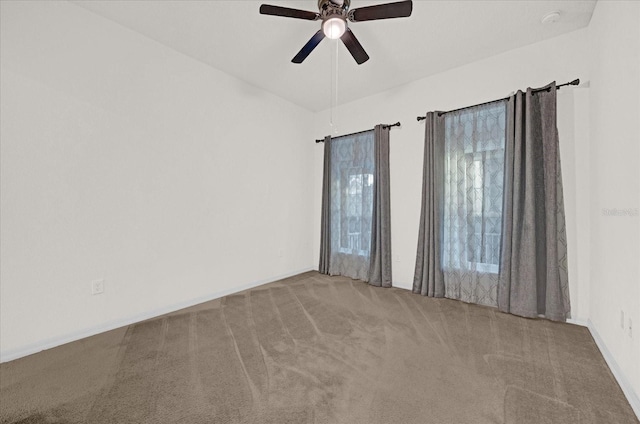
{"x":626,"y":387}
{"x":11,"y":354}
{"x":403,"y":285}
{"x":578,"y":321}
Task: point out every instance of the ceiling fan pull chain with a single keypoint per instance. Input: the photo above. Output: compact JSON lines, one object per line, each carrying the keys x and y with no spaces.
{"x":333,"y":84}
{"x":331,"y":79}
{"x":336,"y":69}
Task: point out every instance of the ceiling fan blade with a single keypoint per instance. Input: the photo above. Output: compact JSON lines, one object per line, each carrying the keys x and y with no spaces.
{"x":401,"y":9}
{"x":354,"y":47}
{"x":308,"y":48}
{"x":267,"y":9}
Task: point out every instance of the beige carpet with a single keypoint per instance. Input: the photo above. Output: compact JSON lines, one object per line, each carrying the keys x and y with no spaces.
{"x":316,"y":349}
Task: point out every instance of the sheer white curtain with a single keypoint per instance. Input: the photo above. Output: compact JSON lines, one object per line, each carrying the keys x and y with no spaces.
{"x":352,"y":181}
{"x":474,"y":142}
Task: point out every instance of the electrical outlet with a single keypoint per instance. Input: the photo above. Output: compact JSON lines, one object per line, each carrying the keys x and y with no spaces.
{"x":97,"y":287}
{"x":622,"y":319}
{"x":630,"y":328}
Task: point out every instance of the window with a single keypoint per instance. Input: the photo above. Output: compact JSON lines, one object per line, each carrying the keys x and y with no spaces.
{"x":473,"y":192}
{"x":352,"y":177}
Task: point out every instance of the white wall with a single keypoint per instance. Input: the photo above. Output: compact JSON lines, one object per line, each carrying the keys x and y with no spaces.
{"x":125,"y":160}
{"x":561,"y":59}
{"x":614,"y":38}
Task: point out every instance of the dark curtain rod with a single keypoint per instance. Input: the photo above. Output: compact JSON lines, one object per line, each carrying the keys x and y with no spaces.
{"x":574,"y":82}
{"x":397,"y":124}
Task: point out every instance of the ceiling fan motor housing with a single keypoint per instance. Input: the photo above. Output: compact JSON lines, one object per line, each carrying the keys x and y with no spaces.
{"x":329,"y":8}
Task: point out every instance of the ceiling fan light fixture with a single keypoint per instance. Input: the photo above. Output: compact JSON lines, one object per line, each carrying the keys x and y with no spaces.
{"x":334,"y":27}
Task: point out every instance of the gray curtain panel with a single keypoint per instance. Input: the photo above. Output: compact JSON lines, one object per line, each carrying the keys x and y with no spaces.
{"x":533,"y":276}
{"x":380,"y":267}
{"x":325,"y":223}
{"x":428,"y":278}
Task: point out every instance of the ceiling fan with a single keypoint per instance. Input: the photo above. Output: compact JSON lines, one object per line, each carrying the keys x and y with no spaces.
{"x":334,"y":15}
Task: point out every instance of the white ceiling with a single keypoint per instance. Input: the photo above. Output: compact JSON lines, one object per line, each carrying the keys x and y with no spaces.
{"x":440,"y":35}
